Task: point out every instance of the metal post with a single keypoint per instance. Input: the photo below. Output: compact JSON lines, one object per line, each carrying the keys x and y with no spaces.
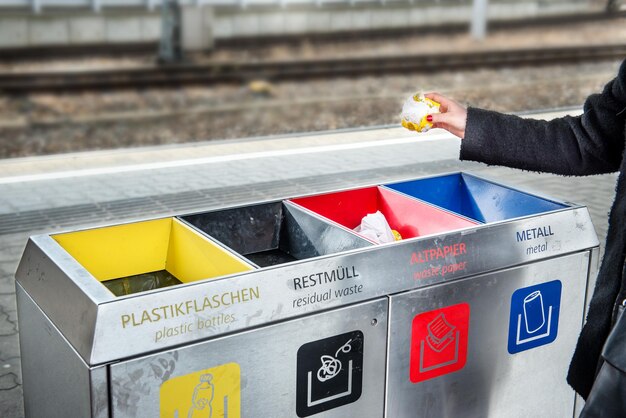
{"x":479,"y":19}
{"x":613,"y":6}
{"x":170,"y":46}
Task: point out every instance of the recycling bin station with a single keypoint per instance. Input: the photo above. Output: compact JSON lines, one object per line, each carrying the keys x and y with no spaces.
{"x":280,"y":309}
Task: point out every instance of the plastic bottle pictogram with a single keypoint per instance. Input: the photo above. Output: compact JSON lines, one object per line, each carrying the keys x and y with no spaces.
{"x":202,"y":398}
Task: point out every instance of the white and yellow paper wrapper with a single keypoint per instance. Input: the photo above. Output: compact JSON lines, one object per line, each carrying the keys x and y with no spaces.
{"x":415,"y":110}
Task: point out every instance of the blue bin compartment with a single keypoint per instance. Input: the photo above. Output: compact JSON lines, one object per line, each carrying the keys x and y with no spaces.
{"x":475,"y":198}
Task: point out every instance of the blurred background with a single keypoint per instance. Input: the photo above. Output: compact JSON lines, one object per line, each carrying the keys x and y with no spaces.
{"x":87,"y":75}
{"x":102,"y":74}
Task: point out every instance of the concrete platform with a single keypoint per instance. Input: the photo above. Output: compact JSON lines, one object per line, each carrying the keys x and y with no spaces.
{"x":68,"y":191}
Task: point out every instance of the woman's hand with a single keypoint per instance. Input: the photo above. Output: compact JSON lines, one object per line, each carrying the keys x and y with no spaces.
{"x":453,"y":116}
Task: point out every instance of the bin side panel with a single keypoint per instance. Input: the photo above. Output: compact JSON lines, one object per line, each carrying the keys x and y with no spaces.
{"x":346,"y":208}
{"x":99,"y":387}
{"x":192,"y":257}
{"x":448,"y":192}
{"x":413,"y":218}
{"x":475,"y":198}
{"x":52,"y":278}
{"x":57,"y":383}
{"x":283,"y":370}
{"x":497,"y":202}
{"x":476,"y":347}
{"x":121,"y":250}
{"x":247,"y":230}
{"x":305,"y":236}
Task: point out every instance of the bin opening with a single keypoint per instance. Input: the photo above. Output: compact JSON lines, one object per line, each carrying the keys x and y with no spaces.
{"x":475,"y":198}
{"x":410,"y":217}
{"x":274,"y":233}
{"x":161,"y":252}
{"x":271,"y":257}
{"x":141,"y":282}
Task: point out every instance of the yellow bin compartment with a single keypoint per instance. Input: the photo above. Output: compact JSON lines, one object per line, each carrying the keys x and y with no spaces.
{"x":142,"y":247}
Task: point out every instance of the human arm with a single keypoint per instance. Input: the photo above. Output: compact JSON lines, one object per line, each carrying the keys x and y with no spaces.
{"x":592,"y":143}
{"x":453,"y":116}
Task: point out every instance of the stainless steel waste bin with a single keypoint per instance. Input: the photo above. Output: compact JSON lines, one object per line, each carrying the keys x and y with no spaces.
{"x":281,"y":309}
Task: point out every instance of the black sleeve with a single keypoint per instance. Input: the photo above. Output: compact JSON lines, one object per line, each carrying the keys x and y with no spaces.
{"x":592,"y":143}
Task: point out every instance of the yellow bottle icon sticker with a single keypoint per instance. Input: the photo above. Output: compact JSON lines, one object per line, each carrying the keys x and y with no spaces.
{"x":208,"y":393}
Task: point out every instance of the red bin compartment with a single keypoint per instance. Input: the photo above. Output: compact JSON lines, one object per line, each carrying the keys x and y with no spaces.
{"x":410,"y":217}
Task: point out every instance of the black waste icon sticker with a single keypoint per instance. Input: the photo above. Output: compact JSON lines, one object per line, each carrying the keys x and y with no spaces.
{"x":329,"y":373}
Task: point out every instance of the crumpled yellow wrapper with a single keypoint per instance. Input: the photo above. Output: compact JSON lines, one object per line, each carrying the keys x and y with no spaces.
{"x":415,"y":110}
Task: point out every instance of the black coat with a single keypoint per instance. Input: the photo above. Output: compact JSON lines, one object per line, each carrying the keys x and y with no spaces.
{"x":592,"y":143}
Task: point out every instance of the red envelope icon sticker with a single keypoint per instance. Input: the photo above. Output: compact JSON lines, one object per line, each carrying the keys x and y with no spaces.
{"x":439,"y":342}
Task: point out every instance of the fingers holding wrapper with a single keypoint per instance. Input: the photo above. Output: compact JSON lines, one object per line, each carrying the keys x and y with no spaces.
{"x":415,"y":112}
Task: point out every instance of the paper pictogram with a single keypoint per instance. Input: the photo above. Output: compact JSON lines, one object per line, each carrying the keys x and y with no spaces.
{"x":439,"y":342}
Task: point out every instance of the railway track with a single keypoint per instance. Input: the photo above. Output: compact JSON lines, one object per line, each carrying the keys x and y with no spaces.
{"x":147,"y":116}
{"x":242,"y":72}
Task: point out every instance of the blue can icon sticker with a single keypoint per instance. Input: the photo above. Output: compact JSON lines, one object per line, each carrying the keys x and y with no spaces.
{"x":534,"y":317}
{"x":534,"y":313}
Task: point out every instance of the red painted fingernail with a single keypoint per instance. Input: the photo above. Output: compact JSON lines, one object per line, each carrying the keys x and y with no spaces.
{"x":429,"y":118}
